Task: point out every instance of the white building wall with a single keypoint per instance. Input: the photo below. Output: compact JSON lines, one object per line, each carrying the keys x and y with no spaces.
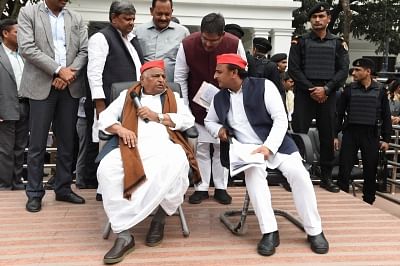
{"x":259,"y":18}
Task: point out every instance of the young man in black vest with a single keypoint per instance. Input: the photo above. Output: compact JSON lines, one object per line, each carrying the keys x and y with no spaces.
{"x":368,"y":119}
{"x":114,"y":54}
{"x":319,"y":65}
{"x":250,"y":110}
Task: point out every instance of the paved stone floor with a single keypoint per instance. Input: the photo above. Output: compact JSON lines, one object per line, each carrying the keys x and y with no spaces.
{"x":66,"y":234}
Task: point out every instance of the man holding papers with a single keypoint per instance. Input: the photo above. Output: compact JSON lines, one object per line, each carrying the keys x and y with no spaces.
{"x":251,"y":110}
{"x":195,"y":64}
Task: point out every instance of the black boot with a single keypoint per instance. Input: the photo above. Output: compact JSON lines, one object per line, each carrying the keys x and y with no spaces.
{"x":369,"y":199}
{"x":326,"y":180}
{"x":343,"y":185}
{"x":327,"y":183}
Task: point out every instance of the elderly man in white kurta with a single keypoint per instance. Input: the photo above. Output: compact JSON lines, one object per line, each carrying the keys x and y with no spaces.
{"x":252,"y":111}
{"x":165,"y":163}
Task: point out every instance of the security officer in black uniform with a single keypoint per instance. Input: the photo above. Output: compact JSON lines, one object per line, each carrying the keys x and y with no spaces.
{"x":261,"y":67}
{"x":364,"y":117}
{"x":319,"y":65}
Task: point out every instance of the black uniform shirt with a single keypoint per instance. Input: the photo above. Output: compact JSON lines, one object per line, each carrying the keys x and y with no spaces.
{"x":296,"y":62}
{"x":344,"y":104}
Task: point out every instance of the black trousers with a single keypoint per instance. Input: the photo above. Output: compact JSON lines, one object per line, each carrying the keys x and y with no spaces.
{"x":59,"y":108}
{"x":364,"y":138}
{"x":13,"y":141}
{"x":92,"y":149}
{"x":305,"y":110}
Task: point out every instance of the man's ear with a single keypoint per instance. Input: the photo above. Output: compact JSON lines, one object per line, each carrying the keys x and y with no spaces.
{"x":329,"y":18}
{"x":235,"y":72}
{"x":112,"y":17}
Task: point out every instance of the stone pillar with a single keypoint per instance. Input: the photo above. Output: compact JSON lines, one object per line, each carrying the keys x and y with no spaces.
{"x":280,"y":40}
{"x":262,"y":32}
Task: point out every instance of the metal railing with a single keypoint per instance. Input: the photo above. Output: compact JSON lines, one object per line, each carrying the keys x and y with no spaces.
{"x":394,"y":147}
{"x":50,"y":150}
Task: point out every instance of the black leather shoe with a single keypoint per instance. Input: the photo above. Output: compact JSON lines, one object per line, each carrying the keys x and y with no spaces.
{"x":268,"y":243}
{"x":198,"y":196}
{"x":34,"y":204}
{"x":120,"y":249}
{"x":99,"y":197}
{"x":222,"y":196}
{"x":328,"y":184}
{"x":319,"y":244}
{"x":155,"y":234}
{"x":71,"y":197}
{"x":369,"y":200}
{"x":343,"y":187}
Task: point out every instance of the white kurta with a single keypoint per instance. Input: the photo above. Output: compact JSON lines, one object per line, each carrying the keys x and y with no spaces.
{"x":290,"y":165}
{"x":165,"y":165}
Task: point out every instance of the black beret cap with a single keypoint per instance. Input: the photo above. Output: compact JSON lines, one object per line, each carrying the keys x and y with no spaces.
{"x":234,"y":29}
{"x":319,"y":7}
{"x":278,"y":57}
{"x":365,"y":63}
{"x":262,"y":44}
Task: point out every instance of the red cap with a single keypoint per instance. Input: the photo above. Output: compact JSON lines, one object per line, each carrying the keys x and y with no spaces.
{"x":233,"y":59}
{"x":151,"y":64}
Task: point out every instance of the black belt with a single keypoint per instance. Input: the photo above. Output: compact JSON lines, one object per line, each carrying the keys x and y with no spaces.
{"x":23,"y":100}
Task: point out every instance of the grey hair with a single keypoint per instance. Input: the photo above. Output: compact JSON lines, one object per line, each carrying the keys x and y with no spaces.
{"x":120,"y":7}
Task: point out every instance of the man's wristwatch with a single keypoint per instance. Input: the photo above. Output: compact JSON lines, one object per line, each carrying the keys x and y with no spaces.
{"x":160,"y":118}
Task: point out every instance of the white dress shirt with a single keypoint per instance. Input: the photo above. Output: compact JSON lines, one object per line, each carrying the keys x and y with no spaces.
{"x":17,"y":64}
{"x":58,"y":34}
